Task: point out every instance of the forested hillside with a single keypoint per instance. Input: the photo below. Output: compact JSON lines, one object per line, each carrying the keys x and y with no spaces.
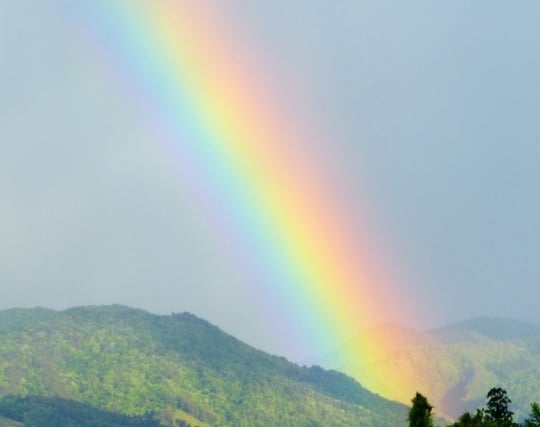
{"x":177,"y":369}
{"x":35,"y":411}
{"x":454,"y":365}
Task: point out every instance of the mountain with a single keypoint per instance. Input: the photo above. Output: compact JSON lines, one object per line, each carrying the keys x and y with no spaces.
{"x":105,"y":363}
{"x":454,"y":366}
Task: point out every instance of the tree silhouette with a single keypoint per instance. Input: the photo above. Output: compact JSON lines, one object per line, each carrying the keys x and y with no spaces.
{"x":497,"y":407}
{"x":534,"y":416}
{"x":469,"y":420}
{"x":420,"y":412}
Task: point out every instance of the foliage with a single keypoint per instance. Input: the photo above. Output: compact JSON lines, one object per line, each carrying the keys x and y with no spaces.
{"x":468,"y":420}
{"x":178,"y":368}
{"x":497,"y":413}
{"x":497,"y":408}
{"x":534,"y":417}
{"x":53,"y":412}
{"x":420,"y":412}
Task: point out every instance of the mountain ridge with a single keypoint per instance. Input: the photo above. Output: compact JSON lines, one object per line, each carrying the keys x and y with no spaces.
{"x":177,"y":368}
{"x":492,"y":327}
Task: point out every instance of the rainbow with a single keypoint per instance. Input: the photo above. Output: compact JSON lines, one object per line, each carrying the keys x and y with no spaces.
{"x":255,"y":174}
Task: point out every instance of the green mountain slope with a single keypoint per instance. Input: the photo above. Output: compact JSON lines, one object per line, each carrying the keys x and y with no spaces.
{"x":54,"y":412}
{"x":178,"y":369}
{"x":456,"y":365}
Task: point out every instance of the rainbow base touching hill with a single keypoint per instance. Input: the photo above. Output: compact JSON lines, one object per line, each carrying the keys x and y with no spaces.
{"x":254,"y":173}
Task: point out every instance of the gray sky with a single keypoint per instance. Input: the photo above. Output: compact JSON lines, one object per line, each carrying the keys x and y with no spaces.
{"x":431,"y":107}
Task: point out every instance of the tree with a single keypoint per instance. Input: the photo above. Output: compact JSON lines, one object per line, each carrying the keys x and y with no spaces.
{"x":468,"y":420}
{"x":420,"y":412}
{"x":497,"y":407}
{"x":534,"y":416}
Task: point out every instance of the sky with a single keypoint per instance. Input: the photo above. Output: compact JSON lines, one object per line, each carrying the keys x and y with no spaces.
{"x":430,"y":110}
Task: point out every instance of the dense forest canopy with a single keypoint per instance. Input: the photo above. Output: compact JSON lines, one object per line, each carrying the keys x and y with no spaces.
{"x":169,"y":369}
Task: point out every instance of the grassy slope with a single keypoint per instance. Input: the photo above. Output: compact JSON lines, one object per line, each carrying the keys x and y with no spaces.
{"x":179,"y":367}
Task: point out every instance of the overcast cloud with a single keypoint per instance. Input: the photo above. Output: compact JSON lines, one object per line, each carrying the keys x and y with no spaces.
{"x":433,"y":109}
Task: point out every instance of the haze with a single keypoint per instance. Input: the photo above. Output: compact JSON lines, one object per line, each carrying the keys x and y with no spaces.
{"x":431,"y":108}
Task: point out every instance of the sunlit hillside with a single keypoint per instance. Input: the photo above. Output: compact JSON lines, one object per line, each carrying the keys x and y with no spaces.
{"x":177,"y":370}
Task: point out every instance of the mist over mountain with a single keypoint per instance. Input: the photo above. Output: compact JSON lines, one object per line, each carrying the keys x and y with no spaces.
{"x":454,"y":365}
{"x":119,"y":366}
{"x":498,"y":328}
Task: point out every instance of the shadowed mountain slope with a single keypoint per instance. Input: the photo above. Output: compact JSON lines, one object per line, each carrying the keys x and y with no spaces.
{"x":55,"y":412}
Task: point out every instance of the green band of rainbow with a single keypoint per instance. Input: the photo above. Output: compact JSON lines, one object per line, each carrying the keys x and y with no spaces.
{"x":253,"y":172}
